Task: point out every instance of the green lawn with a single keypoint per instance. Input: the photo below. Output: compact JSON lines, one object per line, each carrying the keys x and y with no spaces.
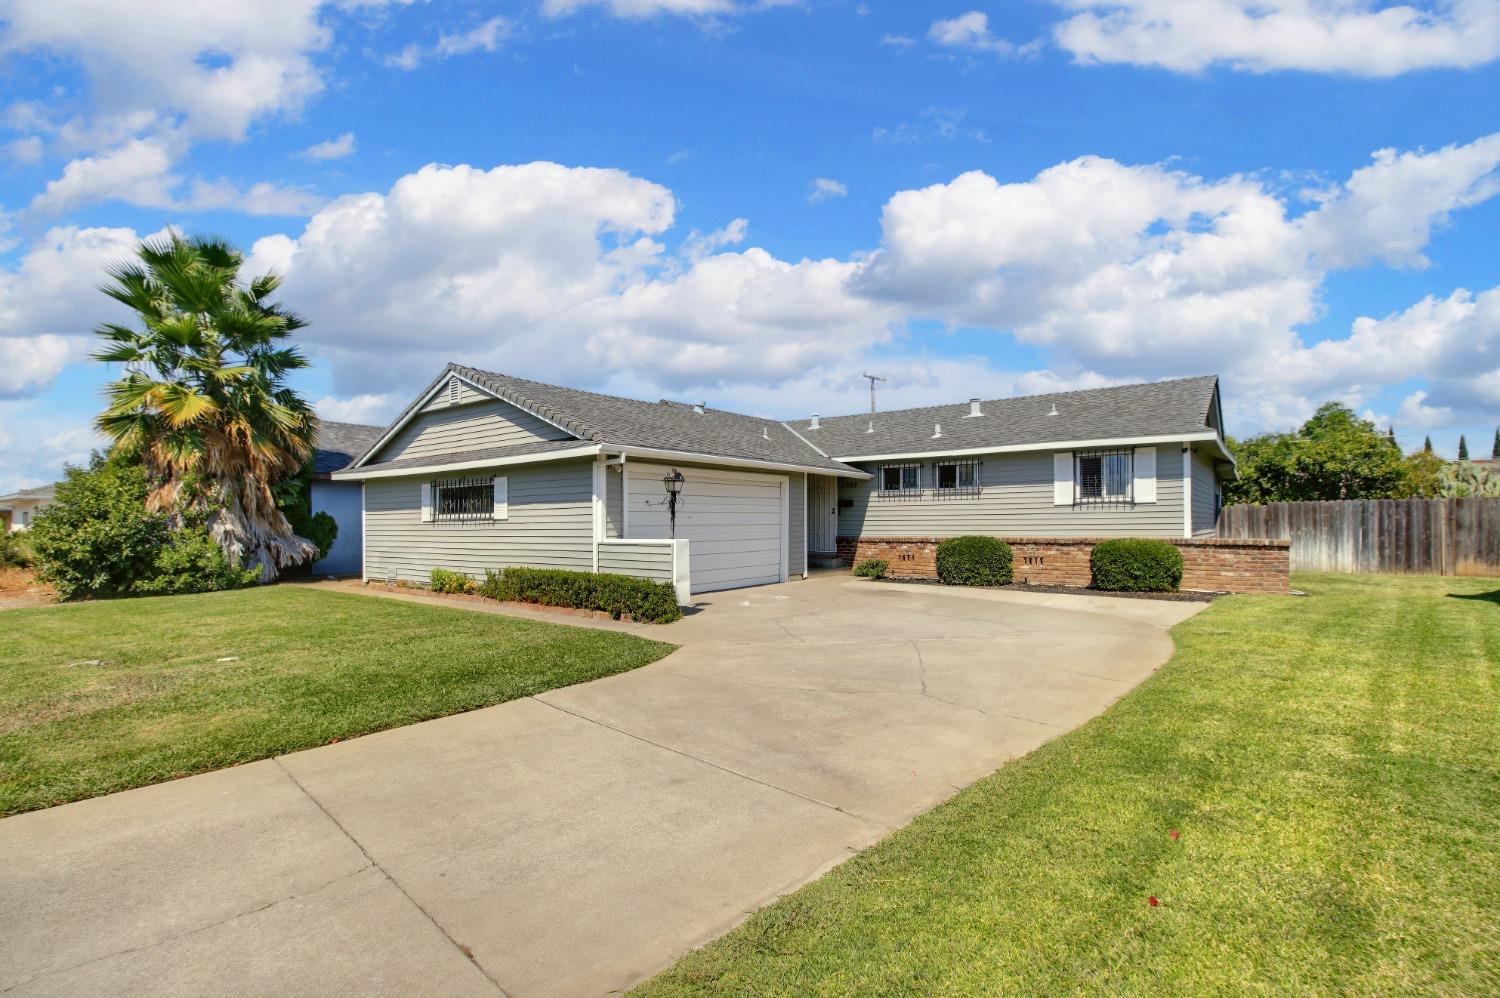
{"x":1332,"y":765}
{"x":99,"y":697}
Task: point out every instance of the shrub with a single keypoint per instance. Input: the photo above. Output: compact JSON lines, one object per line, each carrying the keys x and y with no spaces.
{"x":974,"y":561}
{"x":15,"y":549}
{"x":444,"y":581}
{"x":872,"y":568}
{"x":617,"y":595}
{"x":191,"y":562}
{"x":97,"y":540}
{"x":1136,"y":565}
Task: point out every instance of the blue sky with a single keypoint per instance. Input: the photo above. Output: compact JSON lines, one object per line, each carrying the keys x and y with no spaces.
{"x":751,"y":204}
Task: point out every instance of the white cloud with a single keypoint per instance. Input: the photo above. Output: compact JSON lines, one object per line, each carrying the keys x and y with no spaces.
{"x":639,"y":9}
{"x":24,"y":150}
{"x":558,"y":272}
{"x":336,"y":148}
{"x":35,"y":444}
{"x":375,"y":409}
{"x":49,"y":303}
{"x":969,"y":31}
{"x":824,"y":188}
{"x":898,"y":41}
{"x":935,"y":124}
{"x":262,"y":198}
{"x":1415,"y":412}
{"x":139,"y":172}
{"x":1355,"y":37}
{"x":485,"y":37}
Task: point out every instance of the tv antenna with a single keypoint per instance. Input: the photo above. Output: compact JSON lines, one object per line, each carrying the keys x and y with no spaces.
{"x":873,"y":378}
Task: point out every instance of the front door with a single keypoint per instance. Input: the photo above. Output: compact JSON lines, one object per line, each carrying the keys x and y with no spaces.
{"x":822,"y":514}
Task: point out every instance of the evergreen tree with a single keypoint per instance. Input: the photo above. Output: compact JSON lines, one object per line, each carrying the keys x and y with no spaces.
{"x":1463,"y":448}
{"x":1390,"y":434}
{"x":1495,"y":450}
{"x":1427,"y":446}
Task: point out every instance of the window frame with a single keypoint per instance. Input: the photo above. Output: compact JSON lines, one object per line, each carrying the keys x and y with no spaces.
{"x":480,"y":508}
{"x":1104,"y":499}
{"x":959,"y":487}
{"x":902,"y":488}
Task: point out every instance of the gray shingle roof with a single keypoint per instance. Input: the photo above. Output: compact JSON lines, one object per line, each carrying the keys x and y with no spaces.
{"x":1157,"y":409}
{"x":661,"y":425}
{"x":338,"y":444}
{"x":40,"y":492}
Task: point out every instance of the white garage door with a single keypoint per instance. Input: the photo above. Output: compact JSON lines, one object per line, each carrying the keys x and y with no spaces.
{"x":735,"y":522}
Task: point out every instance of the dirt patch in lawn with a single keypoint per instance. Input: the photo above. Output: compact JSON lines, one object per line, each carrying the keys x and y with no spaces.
{"x":19,"y":588}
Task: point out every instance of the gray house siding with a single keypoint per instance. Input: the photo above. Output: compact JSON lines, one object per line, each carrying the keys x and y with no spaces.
{"x":796,"y":526}
{"x":1205,"y":519}
{"x":1014,"y":499}
{"x":450,"y":429}
{"x":643,"y":561}
{"x":550,"y":525}
{"x":614,"y":502}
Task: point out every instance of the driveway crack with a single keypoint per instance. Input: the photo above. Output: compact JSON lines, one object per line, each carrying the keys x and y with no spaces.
{"x":714,"y":765}
{"x":463,"y":950}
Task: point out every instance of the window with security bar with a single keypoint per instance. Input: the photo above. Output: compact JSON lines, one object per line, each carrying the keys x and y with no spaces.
{"x":1103,"y":479}
{"x":463,"y":500}
{"x":956,"y":478}
{"x":896,"y":479}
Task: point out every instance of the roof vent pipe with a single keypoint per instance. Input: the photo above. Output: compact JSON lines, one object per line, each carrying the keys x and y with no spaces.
{"x":871,"y":428}
{"x":1054,"y":410}
{"x":937,"y":430}
{"x":974,"y":409}
{"x":698,"y":407}
{"x":765,"y":432}
{"x":814,"y":424}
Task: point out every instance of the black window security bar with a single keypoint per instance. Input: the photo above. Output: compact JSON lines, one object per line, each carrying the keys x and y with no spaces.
{"x":1104,"y":479}
{"x":463,"y":500}
{"x":900,"y":481}
{"x":956,"y":479}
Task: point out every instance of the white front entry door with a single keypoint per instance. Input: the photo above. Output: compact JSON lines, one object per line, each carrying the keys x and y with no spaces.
{"x":735,"y":522}
{"x":822,"y":514}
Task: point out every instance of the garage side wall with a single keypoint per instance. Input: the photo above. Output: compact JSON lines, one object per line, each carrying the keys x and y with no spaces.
{"x":549,"y":525}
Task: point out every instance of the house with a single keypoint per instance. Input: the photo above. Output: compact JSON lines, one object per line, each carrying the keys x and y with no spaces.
{"x":484,"y":471}
{"x":336,"y":445}
{"x":19,"y":508}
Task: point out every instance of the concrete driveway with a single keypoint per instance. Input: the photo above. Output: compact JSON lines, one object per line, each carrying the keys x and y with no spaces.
{"x":576,"y":842}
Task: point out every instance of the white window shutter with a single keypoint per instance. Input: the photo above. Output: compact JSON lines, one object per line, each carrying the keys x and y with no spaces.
{"x":502,"y":497}
{"x":1145,"y":474}
{"x":426,"y":502}
{"x":1062,"y":478}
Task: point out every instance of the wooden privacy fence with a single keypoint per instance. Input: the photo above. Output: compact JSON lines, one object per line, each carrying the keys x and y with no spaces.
{"x":1407,"y":536}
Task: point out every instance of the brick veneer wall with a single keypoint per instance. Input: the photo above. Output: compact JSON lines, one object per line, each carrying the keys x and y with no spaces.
{"x":1209,"y":564}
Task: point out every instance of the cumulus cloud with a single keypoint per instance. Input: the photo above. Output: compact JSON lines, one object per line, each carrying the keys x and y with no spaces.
{"x":823,"y":188}
{"x":34,"y":445}
{"x":375,"y":409}
{"x":49,"y":304}
{"x":970,"y":32}
{"x":1354,"y":37}
{"x":336,"y":148}
{"x":641,"y":9}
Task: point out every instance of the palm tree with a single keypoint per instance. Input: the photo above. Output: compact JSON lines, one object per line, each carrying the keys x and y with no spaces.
{"x":204,"y":403}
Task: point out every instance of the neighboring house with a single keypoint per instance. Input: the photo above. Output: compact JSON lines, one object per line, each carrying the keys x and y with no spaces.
{"x":18,"y":509}
{"x":484,"y":471}
{"x":336,"y":446}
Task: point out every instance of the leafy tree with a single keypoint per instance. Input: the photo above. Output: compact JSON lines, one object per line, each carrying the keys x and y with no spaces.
{"x":1463,"y":448}
{"x":204,"y":403}
{"x":1334,"y":455}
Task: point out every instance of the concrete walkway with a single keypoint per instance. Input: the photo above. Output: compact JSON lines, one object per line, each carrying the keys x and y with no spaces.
{"x":575,"y":842}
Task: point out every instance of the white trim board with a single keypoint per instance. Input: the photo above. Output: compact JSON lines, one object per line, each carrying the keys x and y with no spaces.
{"x":696,"y":457}
{"x":359,"y":475}
{"x":1209,"y":435}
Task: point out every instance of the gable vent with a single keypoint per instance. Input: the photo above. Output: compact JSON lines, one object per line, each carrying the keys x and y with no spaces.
{"x":453,"y":391}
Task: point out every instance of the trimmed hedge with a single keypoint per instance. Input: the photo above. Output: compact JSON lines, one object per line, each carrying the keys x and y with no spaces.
{"x":974,"y":561}
{"x":872,"y":568}
{"x":444,"y":581}
{"x":1136,"y":565}
{"x":617,"y":595}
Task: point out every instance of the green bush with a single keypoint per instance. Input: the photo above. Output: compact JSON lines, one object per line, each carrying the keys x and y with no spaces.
{"x":617,"y":595}
{"x":974,"y":561}
{"x":97,"y":540}
{"x":15,"y":549}
{"x":444,"y":581}
{"x":1136,"y":565}
{"x":191,"y":562}
{"x":872,"y":568}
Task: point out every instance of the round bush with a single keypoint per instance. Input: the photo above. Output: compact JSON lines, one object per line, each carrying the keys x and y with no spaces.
{"x":974,"y":561}
{"x":1136,"y":565}
{"x":872,"y":568}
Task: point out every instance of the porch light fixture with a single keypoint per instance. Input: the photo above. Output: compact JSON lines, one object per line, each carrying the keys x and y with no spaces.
{"x":673,"y":484}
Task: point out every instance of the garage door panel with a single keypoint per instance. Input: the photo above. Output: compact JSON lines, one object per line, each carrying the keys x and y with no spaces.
{"x":734,"y":523}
